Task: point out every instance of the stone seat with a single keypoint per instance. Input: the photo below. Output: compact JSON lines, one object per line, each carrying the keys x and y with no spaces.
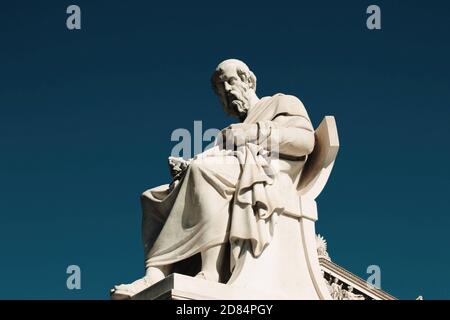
{"x":289,"y":267}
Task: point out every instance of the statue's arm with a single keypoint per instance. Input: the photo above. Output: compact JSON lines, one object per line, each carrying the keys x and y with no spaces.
{"x":294,"y":135}
{"x":289,"y":135}
{"x":177,"y":166}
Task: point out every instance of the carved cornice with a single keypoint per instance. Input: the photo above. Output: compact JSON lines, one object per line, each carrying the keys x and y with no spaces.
{"x":349,"y":278}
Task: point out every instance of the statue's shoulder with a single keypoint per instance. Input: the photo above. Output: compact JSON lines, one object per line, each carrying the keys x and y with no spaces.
{"x":286,"y":103}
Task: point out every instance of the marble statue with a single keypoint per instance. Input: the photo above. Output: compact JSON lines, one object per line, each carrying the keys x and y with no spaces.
{"x":322,"y":247}
{"x":336,"y":290}
{"x":246,"y":206}
{"x":350,"y":295}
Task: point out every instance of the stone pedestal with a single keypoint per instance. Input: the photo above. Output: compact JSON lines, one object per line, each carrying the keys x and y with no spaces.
{"x":180,"y":287}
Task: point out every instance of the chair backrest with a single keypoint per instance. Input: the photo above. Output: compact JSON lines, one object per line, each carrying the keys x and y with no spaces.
{"x":320,"y":162}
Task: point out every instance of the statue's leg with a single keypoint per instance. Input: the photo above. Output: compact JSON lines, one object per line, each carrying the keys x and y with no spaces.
{"x":212,"y":263}
{"x":152,"y":222}
{"x":193,"y":218}
{"x":152,"y":276}
{"x":156,"y":274}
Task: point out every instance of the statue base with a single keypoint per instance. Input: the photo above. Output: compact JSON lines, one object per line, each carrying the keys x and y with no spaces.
{"x":180,"y":287}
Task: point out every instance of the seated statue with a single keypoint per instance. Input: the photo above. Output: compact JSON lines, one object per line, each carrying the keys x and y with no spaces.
{"x":232,"y":193}
{"x":336,"y":289}
{"x":350,"y":295}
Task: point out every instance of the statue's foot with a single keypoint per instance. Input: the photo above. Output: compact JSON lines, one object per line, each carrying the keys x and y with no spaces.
{"x":208,"y":275}
{"x":126,"y":291}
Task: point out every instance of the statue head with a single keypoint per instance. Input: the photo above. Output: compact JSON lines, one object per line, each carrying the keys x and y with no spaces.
{"x":235,"y":85}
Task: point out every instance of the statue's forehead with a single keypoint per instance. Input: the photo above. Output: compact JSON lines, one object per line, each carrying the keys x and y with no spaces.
{"x":228,"y":69}
{"x":225,"y":74}
{"x":225,"y":77}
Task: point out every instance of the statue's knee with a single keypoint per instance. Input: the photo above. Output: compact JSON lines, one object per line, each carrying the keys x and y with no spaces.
{"x":196,"y":165}
{"x":145,"y":194}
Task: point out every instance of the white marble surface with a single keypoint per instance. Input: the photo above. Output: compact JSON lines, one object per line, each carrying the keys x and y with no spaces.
{"x":242,"y":199}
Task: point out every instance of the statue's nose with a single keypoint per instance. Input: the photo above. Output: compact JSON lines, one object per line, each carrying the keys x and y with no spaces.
{"x":227,"y":87}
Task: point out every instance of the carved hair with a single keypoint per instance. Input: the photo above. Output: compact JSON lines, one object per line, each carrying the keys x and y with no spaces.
{"x":243,"y":71}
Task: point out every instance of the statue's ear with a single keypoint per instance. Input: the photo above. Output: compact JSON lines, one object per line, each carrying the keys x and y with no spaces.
{"x":252,"y":81}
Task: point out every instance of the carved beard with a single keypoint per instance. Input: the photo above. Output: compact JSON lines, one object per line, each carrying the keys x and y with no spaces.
{"x":239,"y":105}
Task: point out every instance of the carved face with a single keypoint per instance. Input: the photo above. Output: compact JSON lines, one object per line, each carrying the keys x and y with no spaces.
{"x":233,"y":88}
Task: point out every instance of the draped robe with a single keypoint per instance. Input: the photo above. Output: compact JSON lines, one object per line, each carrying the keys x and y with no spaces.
{"x":227,"y":196}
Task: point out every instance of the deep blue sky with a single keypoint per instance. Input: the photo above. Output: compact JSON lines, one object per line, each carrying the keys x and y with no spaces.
{"x":86,"y":118}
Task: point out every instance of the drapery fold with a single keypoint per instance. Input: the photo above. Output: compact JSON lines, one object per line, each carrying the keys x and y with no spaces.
{"x":225,"y":195}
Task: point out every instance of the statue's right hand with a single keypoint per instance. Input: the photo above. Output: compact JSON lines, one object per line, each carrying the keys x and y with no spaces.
{"x":177,"y":166}
{"x":238,"y":134}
